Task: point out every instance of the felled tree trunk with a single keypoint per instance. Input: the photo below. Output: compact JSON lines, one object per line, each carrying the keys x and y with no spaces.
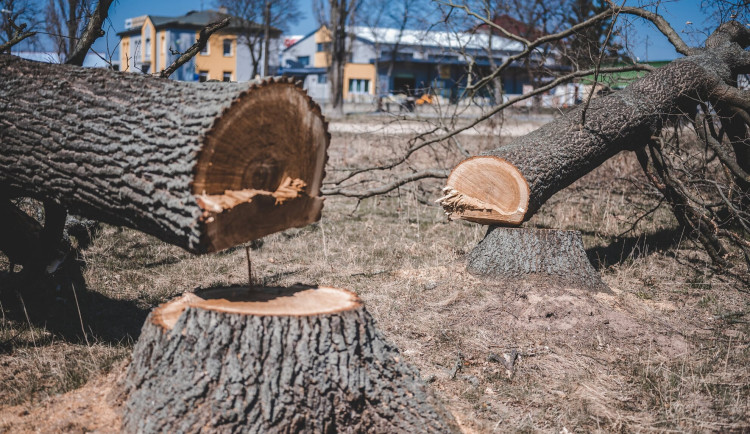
{"x":204,"y":166}
{"x":299,"y":359}
{"x":506,"y":186}
{"x":546,"y":256}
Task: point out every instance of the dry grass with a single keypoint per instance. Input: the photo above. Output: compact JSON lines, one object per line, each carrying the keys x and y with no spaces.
{"x":667,"y":352}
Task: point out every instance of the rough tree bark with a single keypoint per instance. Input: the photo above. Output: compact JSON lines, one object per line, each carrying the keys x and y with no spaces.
{"x":203,"y":166}
{"x":553,"y":257}
{"x":506,"y":186}
{"x":297,"y":359}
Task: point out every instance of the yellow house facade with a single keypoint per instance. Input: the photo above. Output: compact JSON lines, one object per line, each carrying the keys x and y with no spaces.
{"x":150,"y":44}
{"x":359,"y":78}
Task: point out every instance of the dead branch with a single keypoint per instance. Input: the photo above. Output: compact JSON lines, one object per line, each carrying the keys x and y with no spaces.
{"x":387,"y":188}
{"x":196,"y":48}
{"x":454,"y":132}
{"x":19,"y":34}
{"x":92,"y":32}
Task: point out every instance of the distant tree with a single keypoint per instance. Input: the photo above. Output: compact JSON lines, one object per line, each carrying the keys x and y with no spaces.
{"x":65,"y":21}
{"x":381,"y":17}
{"x":594,"y":44}
{"x":338,"y":17}
{"x":258,"y":18}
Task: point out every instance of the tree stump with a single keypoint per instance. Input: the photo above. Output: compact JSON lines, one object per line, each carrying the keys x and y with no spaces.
{"x":553,"y":256}
{"x":298,"y":359}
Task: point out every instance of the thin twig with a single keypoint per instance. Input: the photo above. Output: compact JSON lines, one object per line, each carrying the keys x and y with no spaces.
{"x":596,"y":69}
{"x":383,"y":189}
{"x":19,"y":34}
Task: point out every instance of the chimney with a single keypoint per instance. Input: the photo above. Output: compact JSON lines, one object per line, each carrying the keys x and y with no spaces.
{"x":222,"y":9}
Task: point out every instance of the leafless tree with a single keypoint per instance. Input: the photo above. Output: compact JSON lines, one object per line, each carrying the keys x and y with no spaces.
{"x":338,"y":17}
{"x":65,"y":20}
{"x":257,"y":19}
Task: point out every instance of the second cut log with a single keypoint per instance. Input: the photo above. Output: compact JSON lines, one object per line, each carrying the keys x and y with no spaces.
{"x":506,"y":186}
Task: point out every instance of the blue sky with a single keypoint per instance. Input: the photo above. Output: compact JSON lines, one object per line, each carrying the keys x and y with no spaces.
{"x":648,"y":44}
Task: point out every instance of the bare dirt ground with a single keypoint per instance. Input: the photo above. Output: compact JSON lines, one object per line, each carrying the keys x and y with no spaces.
{"x":667,"y":351}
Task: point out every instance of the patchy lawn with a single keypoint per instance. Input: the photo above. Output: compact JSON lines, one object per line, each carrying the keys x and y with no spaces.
{"x":668,"y":350}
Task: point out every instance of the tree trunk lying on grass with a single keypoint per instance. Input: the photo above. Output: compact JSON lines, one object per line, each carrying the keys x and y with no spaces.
{"x":506,"y":186}
{"x":297,"y":359}
{"x":552,"y":257}
{"x":204,"y":166}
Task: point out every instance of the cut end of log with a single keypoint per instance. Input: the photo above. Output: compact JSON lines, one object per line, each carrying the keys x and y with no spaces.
{"x":262,"y":167}
{"x":486,"y":190}
{"x":293,"y":301}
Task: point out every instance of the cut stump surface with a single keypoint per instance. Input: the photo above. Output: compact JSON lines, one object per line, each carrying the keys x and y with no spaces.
{"x":300,"y":359}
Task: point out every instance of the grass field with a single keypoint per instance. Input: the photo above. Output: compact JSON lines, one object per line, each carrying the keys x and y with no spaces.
{"x":669,"y":350}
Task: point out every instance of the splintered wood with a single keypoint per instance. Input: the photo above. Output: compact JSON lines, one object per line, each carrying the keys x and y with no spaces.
{"x":289,"y":189}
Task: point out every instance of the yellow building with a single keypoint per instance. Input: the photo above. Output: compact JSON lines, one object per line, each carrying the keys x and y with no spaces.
{"x":150,"y":43}
{"x":359,"y":77}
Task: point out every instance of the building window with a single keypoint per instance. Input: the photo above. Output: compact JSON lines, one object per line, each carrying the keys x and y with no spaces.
{"x":205,"y":51}
{"x":322,"y":78}
{"x":145,"y":68}
{"x":147,"y":44}
{"x":324,"y":46}
{"x":304,"y":60}
{"x":227,"y":47}
{"x":227,"y":76}
{"x":202,"y":76}
{"x":358,"y":85}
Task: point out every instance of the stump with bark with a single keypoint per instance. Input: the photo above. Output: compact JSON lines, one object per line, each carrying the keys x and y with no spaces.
{"x":507,"y":186}
{"x":298,"y":359}
{"x":204,"y":166}
{"x":548,"y":256}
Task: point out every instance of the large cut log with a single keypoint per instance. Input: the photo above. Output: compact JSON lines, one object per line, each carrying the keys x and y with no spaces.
{"x":204,"y":166}
{"x":297,"y":359}
{"x":506,"y":186}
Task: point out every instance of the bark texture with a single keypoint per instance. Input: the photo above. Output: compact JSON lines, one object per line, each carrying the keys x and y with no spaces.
{"x":557,"y":154}
{"x":215,"y":371}
{"x":551,"y":256}
{"x":137,"y":151}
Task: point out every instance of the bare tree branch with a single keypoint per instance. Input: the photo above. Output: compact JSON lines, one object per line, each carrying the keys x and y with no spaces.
{"x":386,"y":188}
{"x":92,"y":32}
{"x":494,"y":111}
{"x":662,"y":25}
{"x":17,"y":37}
{"x":196,"y":48}
{"x":19,"y":34}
